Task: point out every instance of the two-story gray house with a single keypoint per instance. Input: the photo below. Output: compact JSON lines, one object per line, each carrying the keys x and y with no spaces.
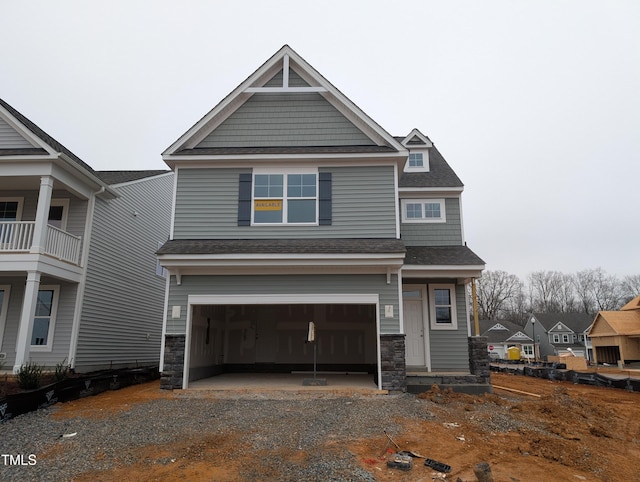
{"x":293,"y":206}
{"x":79,"y":279}
{"x":561,"y":333}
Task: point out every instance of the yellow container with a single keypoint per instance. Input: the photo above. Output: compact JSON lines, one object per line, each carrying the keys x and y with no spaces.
{"x":513,"y":353}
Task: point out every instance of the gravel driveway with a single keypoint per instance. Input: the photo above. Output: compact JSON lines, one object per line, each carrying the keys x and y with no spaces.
{"x":258,"y":422}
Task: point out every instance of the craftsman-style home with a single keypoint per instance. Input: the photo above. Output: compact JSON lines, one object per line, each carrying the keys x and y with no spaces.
{"x":293,"y":206}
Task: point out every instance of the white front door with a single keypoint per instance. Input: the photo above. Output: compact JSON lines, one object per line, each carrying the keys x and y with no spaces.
{"x":414,"y":326}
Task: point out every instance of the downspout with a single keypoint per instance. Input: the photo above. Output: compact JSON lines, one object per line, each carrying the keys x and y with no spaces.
{"x":75,"y":330}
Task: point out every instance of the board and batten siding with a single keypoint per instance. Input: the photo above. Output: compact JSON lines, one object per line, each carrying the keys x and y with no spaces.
{"x":286,"y":119}
{"x":10,"y":138}
{"x":121,"y":321}
{"x":284,"y":285}
{"x":435,"y":234}
{"x":363,"y":206}
{"x":449,"y":348}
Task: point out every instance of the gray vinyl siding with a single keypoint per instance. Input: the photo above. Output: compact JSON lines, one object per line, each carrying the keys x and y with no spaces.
{"x":63,"y":321}
{"x":10,"y":138}
{"x":363,"y":206}
{"x":286,"y":119}
{"x":435,"y":234}
{"x":283,"y":284}
{"x":449,"y":348}
{"x":121,"y":322}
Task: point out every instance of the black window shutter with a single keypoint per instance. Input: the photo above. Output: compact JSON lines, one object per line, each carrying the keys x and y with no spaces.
{"x":324,"y":198}
{"x":244,"y":200}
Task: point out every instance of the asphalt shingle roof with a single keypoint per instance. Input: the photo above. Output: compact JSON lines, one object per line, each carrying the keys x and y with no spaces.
{"x":577,"y":322}
{"x":118,"y":177}
{"x":441,"y":255}
{"x":44,"y":137}
{"x":440,"y":174}
{"x":278,"y":246}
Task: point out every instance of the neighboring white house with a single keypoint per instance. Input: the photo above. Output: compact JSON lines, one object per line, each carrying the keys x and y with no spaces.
{"x":79,"y":279}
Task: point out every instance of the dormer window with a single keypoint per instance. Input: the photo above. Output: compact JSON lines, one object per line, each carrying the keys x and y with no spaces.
{"x":418,"y":161}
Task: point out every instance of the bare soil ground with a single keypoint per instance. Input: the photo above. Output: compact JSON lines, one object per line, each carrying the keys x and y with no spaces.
{"x":569,"y":433}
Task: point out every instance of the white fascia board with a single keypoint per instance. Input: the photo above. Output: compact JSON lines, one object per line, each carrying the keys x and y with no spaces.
{"x":252,"y":259}
{"x":25,"y":132}
{"x":279,"y":90}
{"x":253,"y":270}
{"x":46,"y":265}
{"x":327,"y":160}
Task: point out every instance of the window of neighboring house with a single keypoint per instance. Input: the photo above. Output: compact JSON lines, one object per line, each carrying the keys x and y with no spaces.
{"x":580,"y":337}
{"x":565,"y":338}
{"x":10,"y":211}
{"x":44,"y":319}
{"x":442,"y":305}
{"x":58,"y":213}
{"x":556,"y":338}
{"x":160,"y":270}
{"x":4,"y":305}
{"x":285,"y":198}
{"x":527,"y":350}
{"x":423,"y":211}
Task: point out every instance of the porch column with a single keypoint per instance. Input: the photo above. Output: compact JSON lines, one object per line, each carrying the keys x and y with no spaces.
{"x":42,"y":214}
{"x":25,"y":328}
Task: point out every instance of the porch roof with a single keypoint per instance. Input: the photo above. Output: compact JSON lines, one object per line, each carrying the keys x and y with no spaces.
{"x":442,"y":256}
{"x":282,"y":246}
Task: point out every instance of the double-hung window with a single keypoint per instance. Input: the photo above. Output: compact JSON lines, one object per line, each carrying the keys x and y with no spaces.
{"x":44,"y":319}
{"x":442,"y":302}
{"x":423,"y":211}
{"x":285,"y":197}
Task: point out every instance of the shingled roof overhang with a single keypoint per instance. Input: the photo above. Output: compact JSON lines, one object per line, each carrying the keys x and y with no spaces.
{"x":442,"y":262}
{"x":265,"y":256}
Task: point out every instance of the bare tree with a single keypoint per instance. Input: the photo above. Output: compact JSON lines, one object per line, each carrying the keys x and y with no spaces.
{"x":631,"y":287}
{"x":496,"y":292}
{"x":546,"y":291}
{"x":598,"y":291}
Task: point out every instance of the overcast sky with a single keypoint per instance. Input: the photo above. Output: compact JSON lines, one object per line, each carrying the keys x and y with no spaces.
{"x":535,"y":104}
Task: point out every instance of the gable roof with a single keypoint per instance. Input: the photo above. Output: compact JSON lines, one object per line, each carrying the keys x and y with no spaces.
{"x":502,"y":331}
{"x":44,"y":137}
{"x":610,"y":323}
{"x":634,"y":304}
{"x":284,"y":74}
{"x":577,"y":322}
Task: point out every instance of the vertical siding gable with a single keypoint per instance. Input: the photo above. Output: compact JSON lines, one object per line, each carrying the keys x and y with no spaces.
{"x":10,"y":138}
{"x":286,"y":119}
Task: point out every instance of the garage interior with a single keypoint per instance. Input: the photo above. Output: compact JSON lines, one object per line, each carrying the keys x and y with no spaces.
{"x":272,"y":338}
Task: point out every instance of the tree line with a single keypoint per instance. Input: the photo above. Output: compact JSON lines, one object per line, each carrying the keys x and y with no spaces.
{"x":504,"y":296}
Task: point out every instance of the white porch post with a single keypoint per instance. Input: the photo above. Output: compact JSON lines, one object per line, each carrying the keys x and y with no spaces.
{"x":42,"y":214}
{"x":25,"y":329}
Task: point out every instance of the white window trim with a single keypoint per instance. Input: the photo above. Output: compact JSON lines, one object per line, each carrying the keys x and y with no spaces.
{"x":19,"y":200}
{"x":432,"y":308}
{"x":556,"y":338}
{"x":4,"y":310}
{"x":65,"y":211}
{"x":425,"y":161}
{"x":565,"y":339}
{"x":52,"y":321}
{"x":284,"y":172}
{"x":441,"y":219}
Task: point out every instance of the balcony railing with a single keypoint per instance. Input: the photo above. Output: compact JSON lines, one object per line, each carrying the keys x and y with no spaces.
{"x":17,"y":236}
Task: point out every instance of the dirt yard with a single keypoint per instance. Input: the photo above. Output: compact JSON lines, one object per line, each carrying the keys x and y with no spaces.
{"x":569,"y":433}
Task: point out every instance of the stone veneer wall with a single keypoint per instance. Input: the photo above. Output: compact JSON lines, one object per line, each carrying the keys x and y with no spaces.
{"x":172,"y":373}
{"x":479,"y":364}
{"x":393,"y":364}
